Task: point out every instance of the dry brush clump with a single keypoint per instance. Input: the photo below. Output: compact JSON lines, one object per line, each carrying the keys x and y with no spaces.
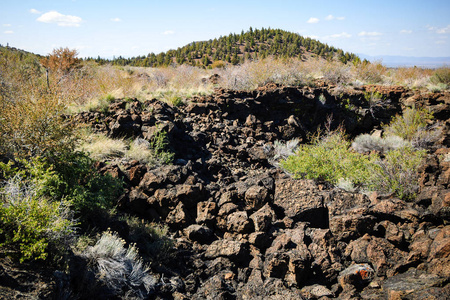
{"x":119,"y":268}
{"x":252,"y":74}
{"x":31,"y":121}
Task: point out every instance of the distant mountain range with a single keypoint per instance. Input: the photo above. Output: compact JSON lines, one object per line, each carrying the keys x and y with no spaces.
{"x":408,"y":61}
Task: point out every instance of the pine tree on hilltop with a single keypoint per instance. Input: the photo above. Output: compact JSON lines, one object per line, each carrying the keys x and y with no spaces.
{"x":238,"y":48}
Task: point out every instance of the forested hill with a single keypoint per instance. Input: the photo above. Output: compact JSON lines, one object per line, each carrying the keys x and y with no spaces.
{"x":238,"y":48}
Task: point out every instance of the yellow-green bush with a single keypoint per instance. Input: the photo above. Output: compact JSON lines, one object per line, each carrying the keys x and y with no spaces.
{"x":31,"y":223}
{"x":330,"y":158}
{"x":408,"y":124}
{"x":397,"y":172}
{"x":441,"y":75}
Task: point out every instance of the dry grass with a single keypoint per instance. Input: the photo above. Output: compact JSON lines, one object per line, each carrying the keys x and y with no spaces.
{"x":100,"y":147}
{"x":88,"y":86}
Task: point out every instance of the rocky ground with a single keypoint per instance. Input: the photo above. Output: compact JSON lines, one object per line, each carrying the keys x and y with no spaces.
{"x":243,"y":229}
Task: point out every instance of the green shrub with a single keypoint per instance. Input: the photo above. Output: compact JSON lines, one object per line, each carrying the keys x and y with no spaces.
{"x":397,"y":173}
{"x":73,"y":178}
{"x":441,"y":75}
{"x":328,"y":158}
{"x":87,"y":189}
{"x":373,"y":97}
{"x":159,"y":144}
{"x":31,"y":224}
{"x":153,"y":239}
{"x":407,"y":125}
{"x":437,"y":88}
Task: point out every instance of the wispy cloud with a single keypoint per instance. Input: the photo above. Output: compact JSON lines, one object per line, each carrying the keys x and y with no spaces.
{"x":116,"y":20}
{"x":168,"y":32}
{"x":443,"y":30}
{"x":312,"y":20}
{"x":34,"y":11}
{"x":314,"y":37}
{"x":8,"y":32}
{"x":339,"y":35}
{"x":438,"y":30}
{"x":331,"y":17}
{"x":404,"y":31}
{"x":60,"y":19}
{"x":441,"y":42}
{"x":7,"y":25}
{"x":371,"y":34}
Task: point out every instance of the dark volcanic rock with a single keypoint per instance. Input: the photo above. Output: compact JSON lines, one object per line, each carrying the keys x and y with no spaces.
{"x":415,"y":284}
{"x":199,"y":233}
{"x":245,"y":230}
{"x":301,"y":200}
{"x":234,"y":250}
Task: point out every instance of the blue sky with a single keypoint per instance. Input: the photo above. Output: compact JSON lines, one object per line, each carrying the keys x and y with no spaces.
{"x":138,"y":27}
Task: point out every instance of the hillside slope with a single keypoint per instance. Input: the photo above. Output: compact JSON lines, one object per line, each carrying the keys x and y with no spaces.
{"x":237,"y":48}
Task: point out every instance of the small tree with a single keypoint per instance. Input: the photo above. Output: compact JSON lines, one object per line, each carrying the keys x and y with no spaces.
{"x":61,"y":60}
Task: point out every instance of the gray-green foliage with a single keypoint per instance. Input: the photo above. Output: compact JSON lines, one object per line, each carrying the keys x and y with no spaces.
{"x":119,"y":267}
{"x":331,"y":158}
{"x":153,"y":239}
{"x":413,"y":126}
{"x":31,"y":223}
{"x":408,"y":124}
{"x":365,"y":143}
{"x":281,"y":150}
{"x":397,"y":172}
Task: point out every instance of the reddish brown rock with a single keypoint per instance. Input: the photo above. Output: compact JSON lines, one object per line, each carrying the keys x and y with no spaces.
{"x":239,"y":222}
{"x":136,"y":173}
{"x":206,"y":212}
{"x":233,"y":250}
{"x":263,"y":218}
{"x":302,"y":201}
{"x":356,"y":275}
{"x":439,"y":256}
{"x":256,"y":196}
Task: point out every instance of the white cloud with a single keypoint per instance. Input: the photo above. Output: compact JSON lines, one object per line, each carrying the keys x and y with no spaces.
{"x":116,"y":20}
{"x":168,"y":32}
{"x":331,"y":17}
{"x":34,"y":11}
{"x":340,"y":35}
{"x":441,"y":42}
{"x":372,"y":33}
{"x":7,"y":25}
{"x":8,"y":32}
{"x":404,"y":31}
{"x":443,"y":30}
{"x":312,"y":20}
{"x":60,"y":19}
{"x":438,"y":30}
{"x":314,"y":37}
